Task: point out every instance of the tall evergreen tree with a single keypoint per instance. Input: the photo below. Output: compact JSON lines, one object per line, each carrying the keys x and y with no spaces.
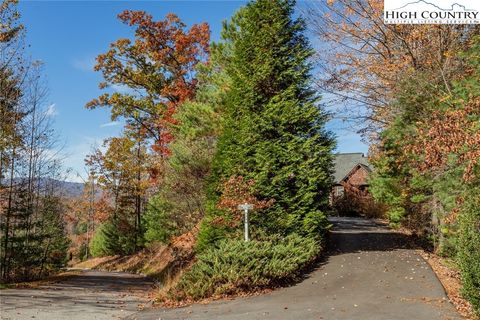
{"x":274,"y":129}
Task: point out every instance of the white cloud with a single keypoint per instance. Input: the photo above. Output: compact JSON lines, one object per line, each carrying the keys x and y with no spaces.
{"x":52,"y":154}
{"x":75,"y":177}
{"x":76,"y":154}
{"x":110,"y":124}
{"x":84,"y":64}
{"x":121,"y":88}
{"x":51,"y":111}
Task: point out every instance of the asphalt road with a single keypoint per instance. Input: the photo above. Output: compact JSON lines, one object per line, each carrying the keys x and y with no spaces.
{"x":369,"y":274}
{"x":87,"y":296}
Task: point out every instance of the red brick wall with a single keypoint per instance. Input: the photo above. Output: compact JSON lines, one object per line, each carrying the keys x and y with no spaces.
{"x":359,"y":177}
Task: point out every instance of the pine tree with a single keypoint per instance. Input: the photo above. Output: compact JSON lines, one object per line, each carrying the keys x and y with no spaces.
{"x":274,"y":129}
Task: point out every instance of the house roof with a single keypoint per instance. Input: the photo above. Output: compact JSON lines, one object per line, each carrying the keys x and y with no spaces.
{"x":345,"y":162}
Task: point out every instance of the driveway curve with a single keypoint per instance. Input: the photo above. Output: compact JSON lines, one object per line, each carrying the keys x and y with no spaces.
{"x":89,"y":295}
{"x":369,"y":273}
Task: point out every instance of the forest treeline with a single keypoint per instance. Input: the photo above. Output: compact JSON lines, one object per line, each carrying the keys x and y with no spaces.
{"x":250,"y":127}
{"x":211,"y":125}
{"x":414,"y":92}
{"x":33,"y":238}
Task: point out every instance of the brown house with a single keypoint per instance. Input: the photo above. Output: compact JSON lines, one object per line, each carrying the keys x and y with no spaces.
{"x":351,"y":172}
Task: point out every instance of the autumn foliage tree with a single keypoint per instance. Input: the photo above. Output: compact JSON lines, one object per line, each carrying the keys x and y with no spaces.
{"x":152,"y":76}
{"x":10,"y":27}
{"x":361,"y":59}
{"x":412,"y":91}
{"x":235,"y":191}
{"x":423,"y":153}
{"x":447,"y":150}
{"x":157,"y":71}
{"x":85,"y":213}
{"x":426,"y":159}
{"x":179,"y":205}
{"x":10,"y":83}
{"x":32,"y":234}
{"x":122,"y":173}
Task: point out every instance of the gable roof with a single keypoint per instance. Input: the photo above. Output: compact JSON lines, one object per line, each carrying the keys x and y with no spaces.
{"x":355,"y":169}
{"x":346,"y":162}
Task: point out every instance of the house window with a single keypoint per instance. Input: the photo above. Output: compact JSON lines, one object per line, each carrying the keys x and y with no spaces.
{"x":339,"y":191}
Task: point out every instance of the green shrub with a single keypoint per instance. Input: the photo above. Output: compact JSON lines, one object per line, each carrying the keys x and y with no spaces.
{"x":81,"y":253}
{"x":113,"y":237}
{"x":469,"y":249}
{"x":159,"y":225}
{"x":236,"y":266}
{"x":315,"y":225}
{"x":98,"y":244}
{"x":80,"y":228}
{"x":210,"y":234}
{"x":395,"y":215}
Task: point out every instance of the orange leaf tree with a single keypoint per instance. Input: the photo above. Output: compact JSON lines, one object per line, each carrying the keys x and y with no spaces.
{"x":122,"y":172}
{"x":362,"y":60}
{"x":235,"y":191}
{"x":153,"y":74}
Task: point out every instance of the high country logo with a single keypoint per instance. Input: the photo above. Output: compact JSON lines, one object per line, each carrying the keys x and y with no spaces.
{"x":432,"y":12}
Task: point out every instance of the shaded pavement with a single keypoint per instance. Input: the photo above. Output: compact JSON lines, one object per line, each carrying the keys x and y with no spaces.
{"x":369,"y":273}
{"x":87,"y":296}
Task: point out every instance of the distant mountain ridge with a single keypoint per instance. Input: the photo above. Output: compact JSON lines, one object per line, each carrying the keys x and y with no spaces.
{"x":67,"y":189}
{"x":71,"y":189}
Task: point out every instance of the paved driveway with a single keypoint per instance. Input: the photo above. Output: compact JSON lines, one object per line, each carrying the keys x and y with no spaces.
{"x":369,"y":274}
{"x":87,"y":296}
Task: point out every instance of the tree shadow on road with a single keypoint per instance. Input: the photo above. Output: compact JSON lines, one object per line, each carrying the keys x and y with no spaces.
{"x":106,"y":282}
{"x":351,"y":242}
{"x":353,"y":235}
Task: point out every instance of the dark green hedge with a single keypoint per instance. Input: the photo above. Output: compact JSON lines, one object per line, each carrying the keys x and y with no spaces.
{"x":469,"y":249}
{"x":236,"y":266}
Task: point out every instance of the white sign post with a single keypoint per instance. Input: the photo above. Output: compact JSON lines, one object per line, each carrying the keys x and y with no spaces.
{"x":246,"y":207}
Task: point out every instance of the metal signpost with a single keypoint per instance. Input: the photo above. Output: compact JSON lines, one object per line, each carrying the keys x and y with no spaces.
{"x":246,"y":207}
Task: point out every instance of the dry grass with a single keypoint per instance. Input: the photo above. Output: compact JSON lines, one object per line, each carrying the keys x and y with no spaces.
{"x":162,"y":262}
{"x":148,"y":261}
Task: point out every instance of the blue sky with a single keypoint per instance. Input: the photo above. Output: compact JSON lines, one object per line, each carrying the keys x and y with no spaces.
{"x":67,"y":36}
